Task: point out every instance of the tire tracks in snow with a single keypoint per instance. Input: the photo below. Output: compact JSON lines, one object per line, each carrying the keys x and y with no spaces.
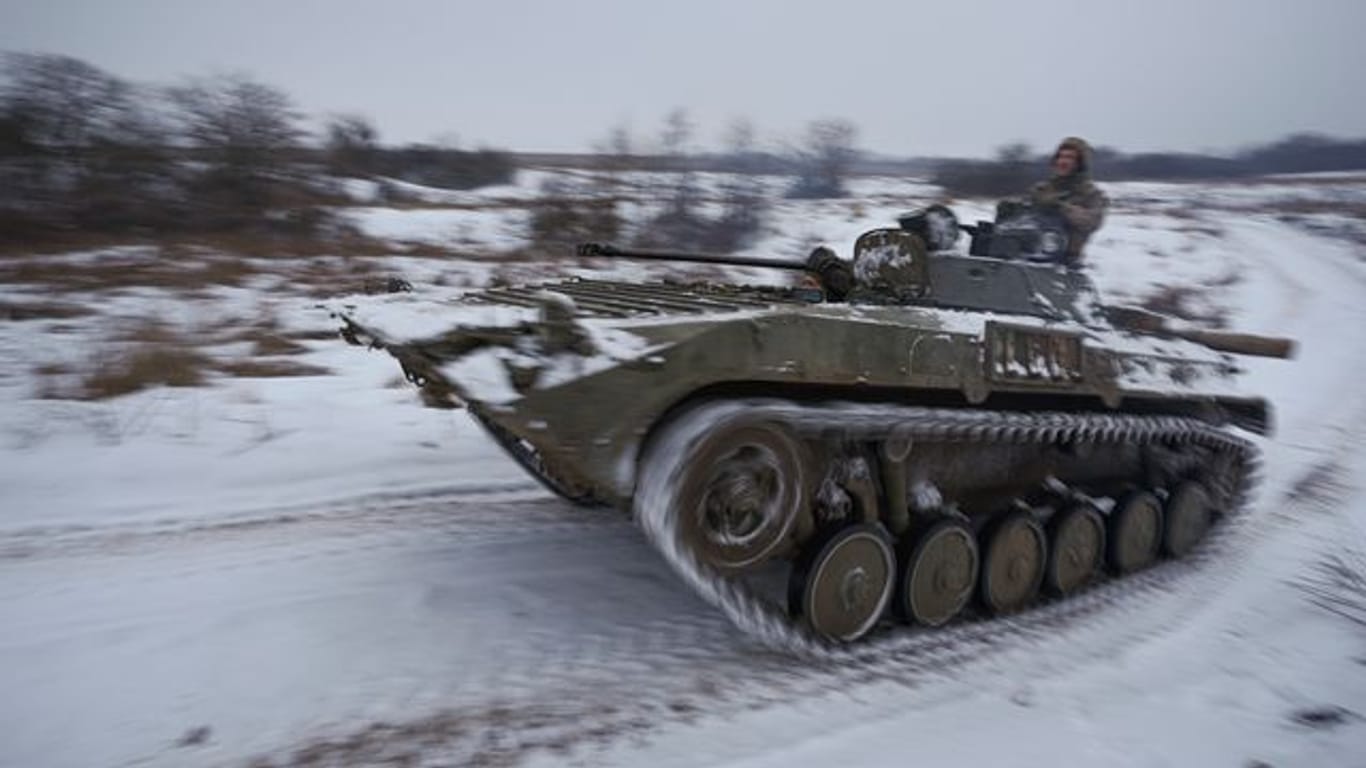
{"x":477,"y":508}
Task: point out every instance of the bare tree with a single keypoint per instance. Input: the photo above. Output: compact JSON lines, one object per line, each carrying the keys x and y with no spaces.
{"x":677,"y":133}
{"x":675,"y":141}
{"x":619,"y":140}
{"x":244,"y":135}
{"x":614,"y":158}
{"x":241,"y":126}
{"x":742,"y":192}
{"x":352,"y":145}
{"x":63,"y":104}
{"x":823,"y":160}
{"x":679,"y":223}
{"x":1015,"y":153}
{"x":81,"y":148}
{"x":58,"y":107}
{"x":739,"y":138}
{"x":571,"y":211}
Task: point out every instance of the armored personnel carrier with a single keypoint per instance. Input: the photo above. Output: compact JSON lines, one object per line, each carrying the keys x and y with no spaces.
{"x":909,"y":436}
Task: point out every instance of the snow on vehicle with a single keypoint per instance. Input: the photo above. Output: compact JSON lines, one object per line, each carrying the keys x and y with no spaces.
{"x":913,"y":435}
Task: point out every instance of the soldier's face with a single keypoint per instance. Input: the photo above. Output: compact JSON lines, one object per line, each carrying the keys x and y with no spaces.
{"x":1065,"y":162}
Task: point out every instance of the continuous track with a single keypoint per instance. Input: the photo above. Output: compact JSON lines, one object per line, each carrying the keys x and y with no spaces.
{"x":770,"y":623}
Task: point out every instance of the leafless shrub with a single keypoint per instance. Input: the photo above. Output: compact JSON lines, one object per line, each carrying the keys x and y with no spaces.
{"x":823,"y":160}
{"x":563,"y":217}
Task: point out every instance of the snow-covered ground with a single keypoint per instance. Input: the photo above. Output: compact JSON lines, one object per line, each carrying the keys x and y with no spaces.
{"x":316,"y":570}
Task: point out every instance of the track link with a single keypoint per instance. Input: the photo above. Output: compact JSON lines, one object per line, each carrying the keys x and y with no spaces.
{"x":1230,"y":476}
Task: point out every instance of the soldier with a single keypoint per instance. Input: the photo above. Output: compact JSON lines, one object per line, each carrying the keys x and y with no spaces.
{"x":1070,"y":193}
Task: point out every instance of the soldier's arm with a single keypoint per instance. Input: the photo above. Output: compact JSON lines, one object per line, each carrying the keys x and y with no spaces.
{"x":1085,"y":213}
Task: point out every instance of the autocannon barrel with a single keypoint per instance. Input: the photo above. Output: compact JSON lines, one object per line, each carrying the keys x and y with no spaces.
{"x":1240,"y":343}
{"x":604,"y":249}
{"x":1143,"y":321}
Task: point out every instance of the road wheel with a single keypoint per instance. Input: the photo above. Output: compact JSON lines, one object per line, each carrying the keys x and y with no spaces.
{"x":1135,"y":533}
{"x":938,"y":574}
{"x":1013,"y":564}
{"x":1076,"y":549}
{"x":1189,"y":516}
{"x":844,"y":582}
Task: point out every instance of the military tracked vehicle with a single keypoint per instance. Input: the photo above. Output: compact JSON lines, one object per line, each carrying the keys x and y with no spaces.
{"x":910,"y":435}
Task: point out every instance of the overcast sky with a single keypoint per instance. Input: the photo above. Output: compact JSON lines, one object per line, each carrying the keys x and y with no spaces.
{"x":918,"y":77}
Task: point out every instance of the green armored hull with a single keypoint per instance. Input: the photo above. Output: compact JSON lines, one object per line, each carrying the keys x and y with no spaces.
{"x":913,"y":435}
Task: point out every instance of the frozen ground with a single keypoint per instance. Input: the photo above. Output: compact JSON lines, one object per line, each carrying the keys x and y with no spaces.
{"x":315,"y":570}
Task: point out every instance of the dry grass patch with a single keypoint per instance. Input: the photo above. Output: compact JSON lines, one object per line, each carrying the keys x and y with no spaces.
{"x":53,"y":369}
{"x":150,"y":333}
{"x":275,"y":345}
{"x":1353,"y":209}
{"x":320,"y":334}
{"x":269,"y":368}
{"x":263,"y":334}
{"x":1345,"y":179}
{"x":418,"y":204}
{"x":324,"y":278}
{"x":319,"y":267}
{"x":189,"y":265}
{"x":66,"y":242}
{"x":139,"y":356}
{"x":143,"y":368}
{"x":41,"y":310}
{"x":1182,"y":301}
{"x":1208,"y":230}
{"x":151,"y":354}
{"x":113,"y":273}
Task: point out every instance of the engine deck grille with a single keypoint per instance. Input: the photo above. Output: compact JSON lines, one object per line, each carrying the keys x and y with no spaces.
{"x":603,"y":298}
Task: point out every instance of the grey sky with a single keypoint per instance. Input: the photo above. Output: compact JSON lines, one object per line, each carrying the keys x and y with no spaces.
{"x":939,"y":77}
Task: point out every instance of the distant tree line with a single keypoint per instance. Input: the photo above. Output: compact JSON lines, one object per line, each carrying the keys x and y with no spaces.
{"x":351,"y":148}
{"x":677,"y":214}
{"x":84,"y":150}
{"x":1015,"y":166}
{"x":1299,"y":153}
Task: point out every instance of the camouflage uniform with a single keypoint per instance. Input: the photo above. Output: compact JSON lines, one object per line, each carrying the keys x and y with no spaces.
{"x":1075,"y":197}
{"x":1079,"y":201}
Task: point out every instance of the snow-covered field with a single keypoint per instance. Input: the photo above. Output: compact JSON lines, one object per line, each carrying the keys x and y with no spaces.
{"x":316,"y":570}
